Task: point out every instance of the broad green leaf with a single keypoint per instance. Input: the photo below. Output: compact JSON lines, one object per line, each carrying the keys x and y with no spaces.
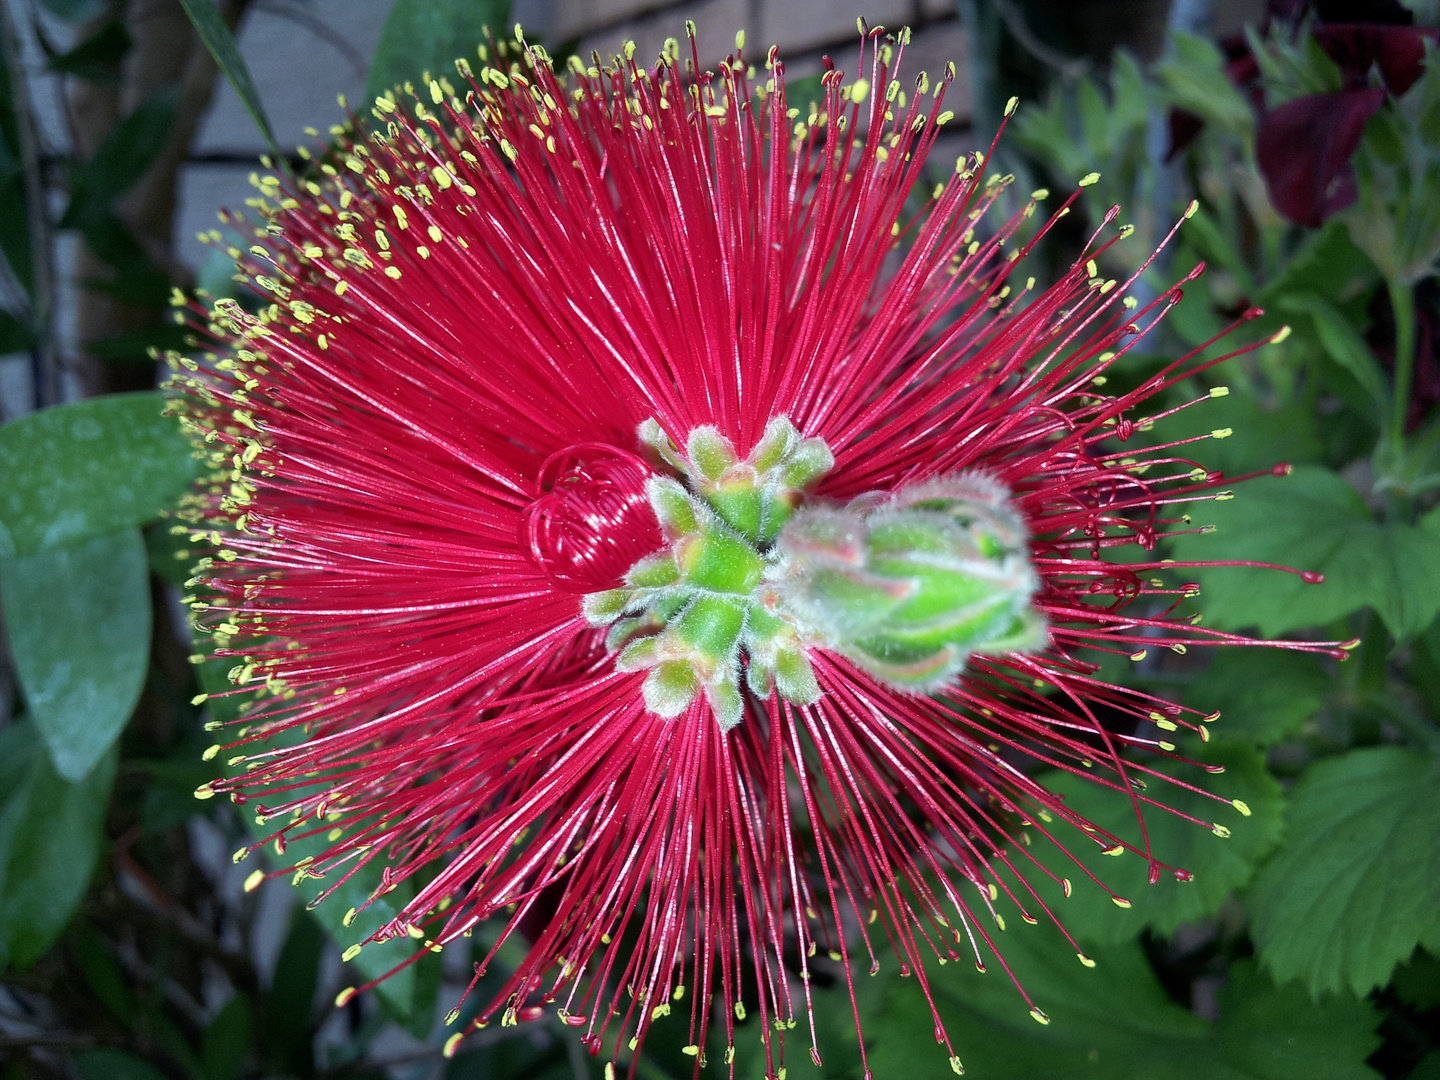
{"x":74,"y":10}
{"x":217,"y":38}
{"x":1218,"y":865}
{"x":79,"y":622}
{"x":1356,"y":885}
{"x":115,"y":1065}
{"x":290,"y":1005}
{"x":430,"y":35}
{"x":1326,"y":263}
{"x":51,"y":832}
{"x":1260,"y":436}
{"x":1114,"y":1022}
{"x":88,"y":469}
{"x":1263,"y":695}
{"x":226,"y":1042}
{"x":1311,"y":520}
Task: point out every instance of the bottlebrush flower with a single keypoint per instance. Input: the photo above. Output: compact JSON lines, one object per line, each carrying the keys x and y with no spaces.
{"x":635,"y":519}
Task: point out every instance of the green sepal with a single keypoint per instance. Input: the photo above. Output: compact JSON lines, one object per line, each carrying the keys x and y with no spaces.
{"x":724,"y":698}
{"x":670,"y":687}
{"x":710,"y":452}
{"x":654,"y":571}
{"x":603,"y":608}
{"x":673,"y":507}
{"x":711,"y":627}
{"x":640,"y":654}
{"x":795,"y":677}
{"x":716,"y":560}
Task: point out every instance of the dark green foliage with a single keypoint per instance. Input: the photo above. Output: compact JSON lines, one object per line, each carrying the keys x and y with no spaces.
{"x":1305,"y":948}
{"x":50,"y":839}
{"x":1357,"y":885}
{"x":423,"y":36}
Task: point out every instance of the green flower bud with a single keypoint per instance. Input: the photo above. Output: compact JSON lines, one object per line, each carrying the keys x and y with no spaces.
{"x":910,"y":585}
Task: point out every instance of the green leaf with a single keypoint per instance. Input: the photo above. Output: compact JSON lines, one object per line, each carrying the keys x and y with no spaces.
{"x":51,"y":832}
{"x":1312,"y":520}
{"x":1356,"y":885}
{"x":1260,"y":436}
{"x":115,"y":1065}
{"x":1114,"y":1021}
{"x":1341,"y":342}
{"x":221,"y":43}
{"x":290,"y":1005}
{"x":1263,"y":695}
{"x":430,"y":35}
{"x":74,"y":10}
{"x":226,"y":1043}
{"x":98,"y":57}
{"x":79,"y":622}
{"x":129,"y":148}
{"x":1218,"y":865}
{"x":15,"y":336}
{"x":97,"y":963}
{"x":83,"y":470}
{"x":1417,"y":982}
{"x":1194,"y":79}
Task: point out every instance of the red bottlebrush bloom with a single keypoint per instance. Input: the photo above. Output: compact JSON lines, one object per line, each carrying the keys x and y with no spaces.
{"x":646,"y":527}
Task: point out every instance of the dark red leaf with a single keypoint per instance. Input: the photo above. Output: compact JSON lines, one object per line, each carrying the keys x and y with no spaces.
{"x":1304,"y":149}
{"x":1399,"y":51}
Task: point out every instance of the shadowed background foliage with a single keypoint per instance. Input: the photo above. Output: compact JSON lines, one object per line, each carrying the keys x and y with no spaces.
{"x":1308,"y":946}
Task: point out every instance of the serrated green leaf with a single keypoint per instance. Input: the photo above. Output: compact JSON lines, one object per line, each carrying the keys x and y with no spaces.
{"x":1356,"y":885}
{"x":1312,"y":520}
{"x":79,"y":622}
{"x":429,"y":35}
{"x":1417,"y":981}
{"x":1262,"y":695}
{"x":1114,"y":1021}
{"x":1218,"y":865}
{"x":51,"y":832}
{"x":217,"y":38}
{"x":88,"y":469}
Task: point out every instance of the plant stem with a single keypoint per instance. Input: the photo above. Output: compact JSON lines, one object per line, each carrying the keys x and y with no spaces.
{"x":47,"y":389}
{"x":1402,"y":303}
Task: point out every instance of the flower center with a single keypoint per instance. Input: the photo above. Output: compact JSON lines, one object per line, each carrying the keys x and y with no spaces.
{"x":907,"y":584}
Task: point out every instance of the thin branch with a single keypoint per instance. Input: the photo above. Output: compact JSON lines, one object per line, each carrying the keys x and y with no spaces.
{"x":47,"y":389}
{"x":1070,"y":67}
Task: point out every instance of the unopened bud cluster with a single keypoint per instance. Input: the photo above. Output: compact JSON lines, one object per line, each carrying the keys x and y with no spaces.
{"x":906,"y":584}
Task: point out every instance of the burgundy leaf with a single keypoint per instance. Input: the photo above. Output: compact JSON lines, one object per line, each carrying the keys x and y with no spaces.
{"x":1399,"y":51}
{"x":1304,"y":149}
